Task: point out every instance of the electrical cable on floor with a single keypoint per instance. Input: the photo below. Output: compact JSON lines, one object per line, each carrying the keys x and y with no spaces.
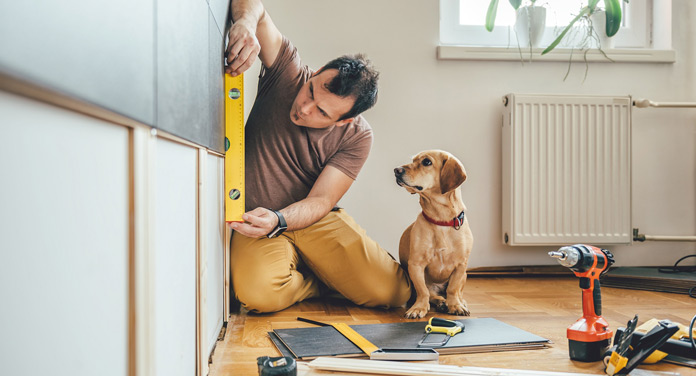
{"x":685,"y":269}
{"x":691,"y":332}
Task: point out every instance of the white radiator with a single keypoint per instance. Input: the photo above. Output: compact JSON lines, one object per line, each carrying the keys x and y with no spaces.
{"x":566,"y":169}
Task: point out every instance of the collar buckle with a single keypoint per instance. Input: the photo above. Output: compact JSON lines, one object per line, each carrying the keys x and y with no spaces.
{"x":458,"y":221}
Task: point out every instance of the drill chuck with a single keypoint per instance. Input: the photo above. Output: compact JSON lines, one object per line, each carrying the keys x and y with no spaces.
{"x":567,"y":256}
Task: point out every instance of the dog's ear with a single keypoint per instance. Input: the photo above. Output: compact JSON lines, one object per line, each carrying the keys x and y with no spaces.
{"x":452,"y":175}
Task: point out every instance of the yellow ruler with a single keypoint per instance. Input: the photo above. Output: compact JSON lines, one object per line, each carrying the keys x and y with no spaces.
{"x":234,"y":148}
{"x":366,"y":346}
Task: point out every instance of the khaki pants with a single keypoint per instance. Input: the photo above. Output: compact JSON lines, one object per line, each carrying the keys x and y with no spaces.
{"x":269,"y":275}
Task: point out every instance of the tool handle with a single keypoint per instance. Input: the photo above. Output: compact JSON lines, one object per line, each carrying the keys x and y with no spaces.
{"x":436,"y":321}
{"x":448,"y":327}
{"x":591,"y":297}
{"x":597,"y":298}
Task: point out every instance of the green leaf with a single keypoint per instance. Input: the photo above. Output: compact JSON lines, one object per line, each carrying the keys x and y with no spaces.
{"x":592,"y":4}
{"x":515,"y":3}
{"x":584,"y":11}
{"x":490,"y":16}
{"x":613,"y":11}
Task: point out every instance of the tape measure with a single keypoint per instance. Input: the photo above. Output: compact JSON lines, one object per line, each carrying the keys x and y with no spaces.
{"x":283,"y":366}
{"x":234,"y":148}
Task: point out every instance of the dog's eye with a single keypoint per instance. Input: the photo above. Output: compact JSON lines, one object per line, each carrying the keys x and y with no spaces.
{"x":427,"y":162}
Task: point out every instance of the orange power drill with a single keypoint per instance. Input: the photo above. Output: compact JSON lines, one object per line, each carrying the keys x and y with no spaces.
{"x":588,"y":338}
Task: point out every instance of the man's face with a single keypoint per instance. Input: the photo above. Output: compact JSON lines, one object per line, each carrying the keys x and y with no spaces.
{"x":316,"y":107}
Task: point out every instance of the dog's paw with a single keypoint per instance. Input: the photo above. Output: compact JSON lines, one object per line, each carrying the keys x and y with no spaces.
{"x":458,"y":309}
{"x":416,"y":312}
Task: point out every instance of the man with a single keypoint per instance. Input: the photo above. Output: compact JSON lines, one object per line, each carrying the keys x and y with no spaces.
{"x":305,"y":144}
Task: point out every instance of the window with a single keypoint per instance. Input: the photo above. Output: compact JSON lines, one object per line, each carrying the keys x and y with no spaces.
{"x":462,"y":23}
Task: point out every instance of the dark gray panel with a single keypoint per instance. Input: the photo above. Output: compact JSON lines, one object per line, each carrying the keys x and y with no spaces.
{"x":97,"y":51}
{"x":182,"y":69}
{"x":216,"y":135}
{"x":219,"y":9}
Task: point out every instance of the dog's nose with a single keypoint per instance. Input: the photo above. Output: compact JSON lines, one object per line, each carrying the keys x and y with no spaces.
{"x":399,"y":171}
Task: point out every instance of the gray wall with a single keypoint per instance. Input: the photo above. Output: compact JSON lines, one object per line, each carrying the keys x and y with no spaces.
{"x":157,"y":62}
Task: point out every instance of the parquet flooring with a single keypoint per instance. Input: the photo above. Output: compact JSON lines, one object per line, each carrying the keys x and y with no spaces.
{"x":545,"y":306}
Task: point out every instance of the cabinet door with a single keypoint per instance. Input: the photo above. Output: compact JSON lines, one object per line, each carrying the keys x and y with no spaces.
{"x":214,"y":244}
{"x":175,"y":213}
{"x":64,"y":234}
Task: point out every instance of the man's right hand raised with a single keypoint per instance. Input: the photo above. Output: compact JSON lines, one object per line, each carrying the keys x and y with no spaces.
{"x":242,"y":48}
{"x":252,"y":34}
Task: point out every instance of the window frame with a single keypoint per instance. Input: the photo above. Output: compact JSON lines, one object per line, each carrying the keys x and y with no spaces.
{"x":635,"y":33}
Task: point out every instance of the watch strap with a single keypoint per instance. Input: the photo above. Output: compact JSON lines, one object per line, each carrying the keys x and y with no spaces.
{"x":280,"y":228}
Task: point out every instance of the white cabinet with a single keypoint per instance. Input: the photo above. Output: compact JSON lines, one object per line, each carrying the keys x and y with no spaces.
{"x":64,"y":242}
{"x":112,"y":246}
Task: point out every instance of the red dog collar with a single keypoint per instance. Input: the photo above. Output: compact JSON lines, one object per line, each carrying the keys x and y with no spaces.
{"x":456,"y":222}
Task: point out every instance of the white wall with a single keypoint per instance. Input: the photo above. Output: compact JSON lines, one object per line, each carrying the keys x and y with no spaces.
{"x":427,"y":103}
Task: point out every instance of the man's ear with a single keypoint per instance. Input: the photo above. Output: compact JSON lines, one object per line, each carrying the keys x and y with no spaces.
{"x":316,"y":72}
{"x":343,"y":122}
{"x":452,"y":175}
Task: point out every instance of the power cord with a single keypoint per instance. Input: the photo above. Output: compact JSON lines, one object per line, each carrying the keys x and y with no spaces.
{"x":691,"y":333}
{"x":684,"y":269}
{"x":692,"y":291}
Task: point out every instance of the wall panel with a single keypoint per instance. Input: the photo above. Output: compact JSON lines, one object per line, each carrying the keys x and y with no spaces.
{"x":219,"y":9}
{"x":175,"y":211}
{"x":216,"y":103}
{"x":97,"y":51}
{"x":182,"y":66}
{"x":154,"y":62}
{"x":215,"y":233}
{"x":63,"y":242}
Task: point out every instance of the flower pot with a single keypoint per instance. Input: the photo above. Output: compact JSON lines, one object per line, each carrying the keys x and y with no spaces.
{"x":599,"y":20}
{"x":530,"y":25}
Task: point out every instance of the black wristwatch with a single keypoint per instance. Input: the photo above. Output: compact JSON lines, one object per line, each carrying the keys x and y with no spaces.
{"x":280,"y":228}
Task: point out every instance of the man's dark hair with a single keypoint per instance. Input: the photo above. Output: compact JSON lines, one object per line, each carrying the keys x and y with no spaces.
{"x":356,"y":78}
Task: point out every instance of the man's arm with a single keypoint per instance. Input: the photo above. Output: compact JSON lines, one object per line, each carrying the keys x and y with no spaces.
{"x":331,"y":185}
{"x":252,"y":33}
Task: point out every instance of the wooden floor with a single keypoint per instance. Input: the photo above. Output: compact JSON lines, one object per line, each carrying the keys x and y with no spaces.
{"x":545,"y":306}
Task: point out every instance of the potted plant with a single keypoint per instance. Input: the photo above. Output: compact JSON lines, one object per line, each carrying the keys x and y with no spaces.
{"x":587,"y":17}
{"x":596,"y":27}
{"x":530,"y":24}
{"x":530,"y":21}
{"x":591,"y":28}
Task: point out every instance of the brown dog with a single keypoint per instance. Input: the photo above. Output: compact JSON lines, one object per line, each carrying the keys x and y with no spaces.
{"x":436,"y":246}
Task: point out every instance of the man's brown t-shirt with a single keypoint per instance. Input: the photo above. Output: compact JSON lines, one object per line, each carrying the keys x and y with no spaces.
{"x":283,"y":160}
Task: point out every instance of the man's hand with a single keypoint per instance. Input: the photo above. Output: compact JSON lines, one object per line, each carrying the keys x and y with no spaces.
{"x":242,"y":48}
{"x":257,"y":223}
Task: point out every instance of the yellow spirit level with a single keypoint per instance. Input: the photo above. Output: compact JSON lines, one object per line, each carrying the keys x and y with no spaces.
{"x":234,"y":148}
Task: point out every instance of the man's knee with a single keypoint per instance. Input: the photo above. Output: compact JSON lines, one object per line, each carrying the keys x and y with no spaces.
{"x":262,"y":273}
{"x":387,"y":295}
{"x":261,"y":296}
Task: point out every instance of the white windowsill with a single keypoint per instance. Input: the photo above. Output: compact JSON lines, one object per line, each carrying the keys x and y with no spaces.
{"x":627,"y":55}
